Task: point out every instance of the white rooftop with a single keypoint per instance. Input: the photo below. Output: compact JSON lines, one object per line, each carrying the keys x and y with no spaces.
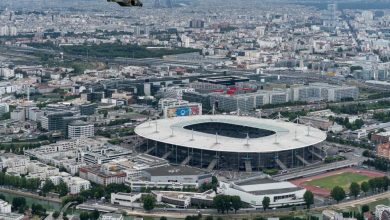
{"x":288,"y":136}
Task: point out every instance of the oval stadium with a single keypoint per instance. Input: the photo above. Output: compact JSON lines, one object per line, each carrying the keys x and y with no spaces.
{"x":229,"y":142}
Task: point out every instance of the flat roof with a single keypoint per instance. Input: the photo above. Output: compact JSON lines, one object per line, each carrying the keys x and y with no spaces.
{"x":288,"y":136}
{"x":255,"y":181}
{"x":275,"y":191}
{"x":170,"y":170}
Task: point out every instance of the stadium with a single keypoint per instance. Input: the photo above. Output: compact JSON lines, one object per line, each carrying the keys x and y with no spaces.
{"x":229,"y":142}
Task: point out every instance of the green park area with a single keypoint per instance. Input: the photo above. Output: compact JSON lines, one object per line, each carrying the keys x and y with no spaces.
{"x":343,"y":180}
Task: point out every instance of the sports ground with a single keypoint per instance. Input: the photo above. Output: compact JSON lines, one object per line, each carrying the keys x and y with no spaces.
{"x":322,"y":184}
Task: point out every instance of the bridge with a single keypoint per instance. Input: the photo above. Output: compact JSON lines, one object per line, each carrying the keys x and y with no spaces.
{"x":311,"y":171}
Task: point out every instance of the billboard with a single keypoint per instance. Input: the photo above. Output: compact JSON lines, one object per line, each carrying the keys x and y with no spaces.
{"x":181,"y":111}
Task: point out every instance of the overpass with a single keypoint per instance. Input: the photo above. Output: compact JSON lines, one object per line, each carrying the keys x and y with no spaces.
{"x":311,"y":171}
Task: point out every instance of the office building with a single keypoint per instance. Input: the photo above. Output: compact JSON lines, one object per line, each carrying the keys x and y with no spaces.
{"x":196,"y":23}
{"x":253,"y":191}
{"x":80,"y":129}
{"x":55,"y":121}
{"x":88,"y":108}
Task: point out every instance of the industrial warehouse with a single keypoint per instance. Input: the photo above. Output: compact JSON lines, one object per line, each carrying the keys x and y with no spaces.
{"x":229,"y":142}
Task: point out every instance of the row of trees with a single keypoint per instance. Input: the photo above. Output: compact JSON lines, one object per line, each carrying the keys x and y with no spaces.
{"x":19,"y":182}
{"x":61,"y":188}
{"x":355,"y":109}
{"x":94,"y":215}
{"x":382,"y":116}
{"x":375,"y":185}
{"x":379,"y":163}
{"x":97,"y":192}
{"x":225,"y":203}
{"x":19,"y":204}
{"x":357,"y":124}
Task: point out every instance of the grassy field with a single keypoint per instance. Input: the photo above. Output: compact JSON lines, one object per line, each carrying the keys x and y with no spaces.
{"x":343,"y":180}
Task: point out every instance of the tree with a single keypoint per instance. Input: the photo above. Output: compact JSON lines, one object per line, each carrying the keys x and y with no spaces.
{"x":95,"y":214}
{"x":56,"y":214}
{"x":62,"y":189}
{"x":149,"y":202}
{"x":337,"y":193}
{"x":385,"y":183}
{"x":266,"y":202}
{"x":218,"y":203}
{"x":18,"y":202}
{"x":309,"y":198}
{"x":84,"y":216}
{"x":38,"y":209}
{"x":236,"y":203}
{"x":365,"y":208}
{"x":365,"y":187}
{"x":209,"y":217}
{"x":48,"y":186}
{"x":354,"y":189}
{"x":163,"y":218}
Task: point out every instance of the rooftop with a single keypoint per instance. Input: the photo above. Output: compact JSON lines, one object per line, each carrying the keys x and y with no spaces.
{"x":286,"y":136}
{"x":170,"y":170}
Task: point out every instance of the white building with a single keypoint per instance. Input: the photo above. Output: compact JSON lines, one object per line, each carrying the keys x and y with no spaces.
{"x":75,"y":184}
{"x":80,"y":129}
{"x":111,"y":216}
{"x":6,"y":72}
{"x":125,"y":199}
{"x":382,"y":212}
{"x":14,"y":163}
{"x":5,"y":207}
{"x":175,"y":92}
{"x":253,"y":191}
{"x":18,"y":114}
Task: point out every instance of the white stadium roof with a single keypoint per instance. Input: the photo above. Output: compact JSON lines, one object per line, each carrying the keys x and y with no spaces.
{"x":288,"y":136}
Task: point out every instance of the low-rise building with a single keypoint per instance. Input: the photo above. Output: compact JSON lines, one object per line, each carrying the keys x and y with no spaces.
{"x":382,"y":212}
{"x":170,"y":177}
{"x":253,"y":191}
{"x":5,"y":207}
{"x":383,"y":150}
{"x":125,"y":199}
{"x":185,"y":199}
{"x":321,"y":123}
{"x":111,"y":216}
{"x":103,"y":174}
{"x":382,"y":137}
{"x":75,"y":184}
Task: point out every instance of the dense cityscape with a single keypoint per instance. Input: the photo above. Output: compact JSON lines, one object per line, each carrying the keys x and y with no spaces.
{"x":191,"y":110}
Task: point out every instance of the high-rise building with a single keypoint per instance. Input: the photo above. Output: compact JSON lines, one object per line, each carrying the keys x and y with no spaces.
{"x":196,"y":23}
{"x":4,"y":30}
{"x":330,"y":17}
{"x":157,"y":3}
{"x":137,"y":31}
{"x":169,"y":3}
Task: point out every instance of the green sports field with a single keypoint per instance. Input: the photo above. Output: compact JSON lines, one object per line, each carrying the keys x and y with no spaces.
{"x":343,"y":180}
